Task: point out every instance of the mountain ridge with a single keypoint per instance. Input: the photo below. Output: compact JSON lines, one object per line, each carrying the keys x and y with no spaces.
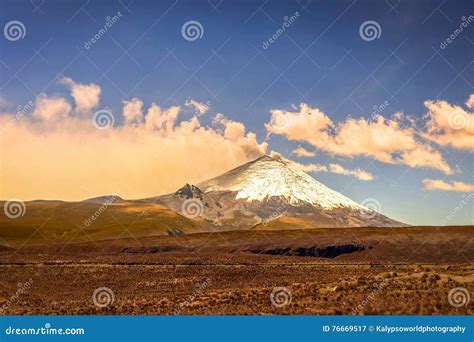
{"x":225,"y":203}
{"x":285,"y":181}
{"x":267,"y":189}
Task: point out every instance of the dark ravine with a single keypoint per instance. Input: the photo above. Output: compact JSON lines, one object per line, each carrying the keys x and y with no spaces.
{"x":318,"y":252}
{"x":328,"y":252}
{"x":151,"y":249}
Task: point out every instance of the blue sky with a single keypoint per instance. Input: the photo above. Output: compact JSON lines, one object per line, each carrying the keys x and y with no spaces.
{"x":320,"y":60}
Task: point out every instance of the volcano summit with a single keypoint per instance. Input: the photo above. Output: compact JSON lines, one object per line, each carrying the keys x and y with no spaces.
{"x":270,"y":192}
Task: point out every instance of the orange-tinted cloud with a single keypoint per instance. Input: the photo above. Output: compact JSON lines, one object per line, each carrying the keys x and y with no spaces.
{"x":385,"y":140}
{"x":449,"y":124}
{"x":51,"y":108}
{"x":309,"y":167}
{"x":357,"y":173}
{"x":470,"y":102}
{"x":440,"y":185}
{"x":132,"y":111}
{"x":198,"y":107}
{"x":302,"y":152}
{"x":235,"y":131}
{"x":55,"y":154}
{"x":86,"y":96}
{"x":333,"y":168}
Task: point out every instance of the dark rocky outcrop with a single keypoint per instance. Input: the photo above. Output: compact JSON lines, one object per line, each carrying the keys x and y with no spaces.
{"x":319,"y":252}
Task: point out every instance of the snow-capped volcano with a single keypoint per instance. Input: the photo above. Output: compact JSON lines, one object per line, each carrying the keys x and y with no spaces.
{"x":276,"y":176}
{"x":270,"y":192}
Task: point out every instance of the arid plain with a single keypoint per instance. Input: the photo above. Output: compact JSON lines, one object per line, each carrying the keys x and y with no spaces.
{"x":408,"y":270}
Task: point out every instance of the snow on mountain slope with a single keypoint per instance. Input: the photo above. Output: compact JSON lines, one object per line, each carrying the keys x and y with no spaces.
{"x":270,"y":189}
{"x":276,"y":176}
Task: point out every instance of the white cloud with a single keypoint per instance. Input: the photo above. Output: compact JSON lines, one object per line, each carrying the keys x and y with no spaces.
{"x":51,"y":108}
{"x":449,"y":124}
{"x":235,"y":131}
{"x":470,"y":102}
{"x":86,"y":96}
{"x":385,"y":140}
{"x":132,"y":111}
{"x":71,"y":159}
{"x":163,"y":121}
{"x":357,"y":173}
{"x":302,"y":152}
{"x":333,"y":168}
{"x":310,"y":167}
{"x":198,"y":107}
{"x":440,"y":185}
